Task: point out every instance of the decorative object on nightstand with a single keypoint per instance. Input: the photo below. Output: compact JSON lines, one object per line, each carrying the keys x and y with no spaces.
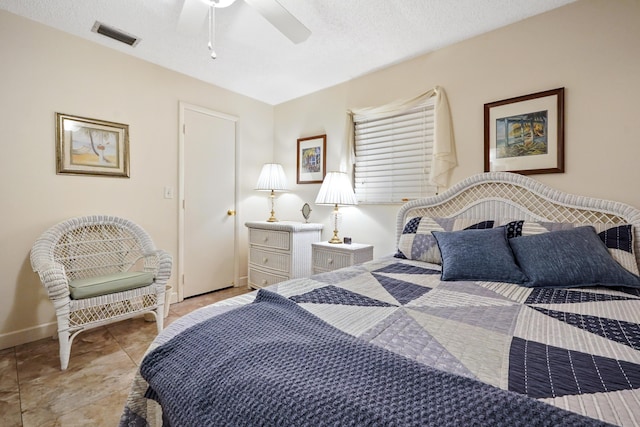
{"x":336,"y":190}
{"x":306,"y":212}
{"x":280,"y":251}
{"x":272,"y":179}
{"x":329,"y":256}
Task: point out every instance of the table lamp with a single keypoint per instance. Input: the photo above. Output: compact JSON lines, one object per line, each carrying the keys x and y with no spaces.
{"x":272,"y":179}
{"x":336,"y":190}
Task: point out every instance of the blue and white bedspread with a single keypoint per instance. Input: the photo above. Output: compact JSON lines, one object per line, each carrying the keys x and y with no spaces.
{"x":576,"y":349}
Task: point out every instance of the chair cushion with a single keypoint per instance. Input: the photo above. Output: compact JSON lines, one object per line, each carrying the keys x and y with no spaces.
{"x":108,"y":284}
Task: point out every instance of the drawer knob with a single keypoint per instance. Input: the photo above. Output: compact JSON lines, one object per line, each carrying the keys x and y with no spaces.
{"x":264,"y":281}
{"x":265,"y":260}
{"x":266,"y":239}
{"x":330,"y":261}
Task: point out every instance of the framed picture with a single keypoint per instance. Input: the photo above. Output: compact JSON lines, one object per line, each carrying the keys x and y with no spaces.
{"x":525,"y":134}
{"x":91,"y":147}
{"x":312,"y":160}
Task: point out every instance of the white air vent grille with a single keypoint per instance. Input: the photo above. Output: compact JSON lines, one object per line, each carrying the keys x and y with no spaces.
{"x":115,"y":34}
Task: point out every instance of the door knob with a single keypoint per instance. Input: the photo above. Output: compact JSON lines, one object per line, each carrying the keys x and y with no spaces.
{"x":231,"y":212}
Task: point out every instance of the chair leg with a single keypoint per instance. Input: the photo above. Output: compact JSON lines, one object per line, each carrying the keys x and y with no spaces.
{"x":160,"y":318}
{"x":64,"y":341}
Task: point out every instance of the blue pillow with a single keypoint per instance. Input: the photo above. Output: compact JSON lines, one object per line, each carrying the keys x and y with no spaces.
{"x":567,"y":258}
{"x":618,"y":238}
{"x":478,"y":255}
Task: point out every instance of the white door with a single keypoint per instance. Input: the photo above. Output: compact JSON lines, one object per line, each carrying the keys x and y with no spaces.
{"x":207,"y":245}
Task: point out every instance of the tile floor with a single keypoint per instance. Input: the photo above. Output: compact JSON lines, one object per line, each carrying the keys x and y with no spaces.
{"x":93,"y":390}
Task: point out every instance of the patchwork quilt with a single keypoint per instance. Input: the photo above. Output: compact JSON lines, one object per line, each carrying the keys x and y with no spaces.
{"x":577,"y":349}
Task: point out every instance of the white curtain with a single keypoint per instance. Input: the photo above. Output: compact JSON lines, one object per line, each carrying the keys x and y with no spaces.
{"x":444,"y":150}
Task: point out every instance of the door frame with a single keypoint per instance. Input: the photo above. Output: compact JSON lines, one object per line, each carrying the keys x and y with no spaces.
{"x":183,"y":106}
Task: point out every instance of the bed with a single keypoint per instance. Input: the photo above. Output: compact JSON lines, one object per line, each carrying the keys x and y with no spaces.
{"x":475,"y":320}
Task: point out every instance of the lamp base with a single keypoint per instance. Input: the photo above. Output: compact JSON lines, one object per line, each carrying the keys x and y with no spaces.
{"x":336,"y":220}
{"x":272,"y":218}
{"x":335,"y":238}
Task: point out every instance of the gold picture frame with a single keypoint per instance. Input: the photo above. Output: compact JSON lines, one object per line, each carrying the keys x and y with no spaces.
{"x":525,"y":134}
{"x":312,"y":159}
{"x":94,"y":147}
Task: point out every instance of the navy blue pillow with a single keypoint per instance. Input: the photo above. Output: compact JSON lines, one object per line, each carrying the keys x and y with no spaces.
{"x":567,"y":258}
{"x":477,"y":255}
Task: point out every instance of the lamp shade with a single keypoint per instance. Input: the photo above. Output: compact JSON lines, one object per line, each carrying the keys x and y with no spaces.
{"x":336,"y":189}
{"x":272,"y":178}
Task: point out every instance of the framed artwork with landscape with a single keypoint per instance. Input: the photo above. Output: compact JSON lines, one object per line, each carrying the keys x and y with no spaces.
{"x":312,"y":159}
{"x":87,"y":146}
{"x":525,"y":134}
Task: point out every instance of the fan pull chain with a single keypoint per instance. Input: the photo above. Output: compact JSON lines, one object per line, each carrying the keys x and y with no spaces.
{"x":212,"y":29}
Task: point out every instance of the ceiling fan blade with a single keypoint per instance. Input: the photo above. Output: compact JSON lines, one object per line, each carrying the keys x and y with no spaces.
{"x":192,"y":16}
{"x":280,"y":18}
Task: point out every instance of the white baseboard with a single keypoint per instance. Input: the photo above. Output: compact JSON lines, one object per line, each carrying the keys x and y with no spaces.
{"x":242,"y":281}
{"x":173,"y":297}
{"x":24,"y":336}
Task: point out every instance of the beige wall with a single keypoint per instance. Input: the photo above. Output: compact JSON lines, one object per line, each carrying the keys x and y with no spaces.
{"x":44,"y":71}
{"x":591,"y":47}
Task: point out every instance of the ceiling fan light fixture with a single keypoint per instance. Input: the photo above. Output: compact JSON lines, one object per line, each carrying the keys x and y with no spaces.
{"x":222,"y":3}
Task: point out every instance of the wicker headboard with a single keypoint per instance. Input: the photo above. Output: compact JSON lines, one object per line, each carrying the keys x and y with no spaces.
{"x":495,"y":195}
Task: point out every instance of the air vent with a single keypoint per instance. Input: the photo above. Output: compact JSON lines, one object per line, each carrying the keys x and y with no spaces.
{"x":115,"y":34}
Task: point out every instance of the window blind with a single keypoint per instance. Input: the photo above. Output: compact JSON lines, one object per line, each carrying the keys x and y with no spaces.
{"x":393,"y":155}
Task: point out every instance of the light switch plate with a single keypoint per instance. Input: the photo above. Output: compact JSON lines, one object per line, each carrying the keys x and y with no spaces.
{"x":168,"y":192}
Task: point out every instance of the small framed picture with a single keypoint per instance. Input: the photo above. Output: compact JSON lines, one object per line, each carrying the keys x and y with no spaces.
{"x":87,"y":146}
{"x":525,"y":134}
{"x":312,"y":159}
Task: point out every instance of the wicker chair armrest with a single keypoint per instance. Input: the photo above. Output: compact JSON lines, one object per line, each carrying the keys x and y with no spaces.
{"x":162,"y":263}
{"x":54,"y":280}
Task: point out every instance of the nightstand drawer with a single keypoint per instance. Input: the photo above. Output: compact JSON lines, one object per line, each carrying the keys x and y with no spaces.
{"x":260,"y":279}
{"x":330,"y":260}
{"x":270,"y":259}
{"x":269,"y":238}
{"x":328,"y":256}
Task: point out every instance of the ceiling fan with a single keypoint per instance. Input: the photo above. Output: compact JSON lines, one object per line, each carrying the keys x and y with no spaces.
{"x":194,"y":11}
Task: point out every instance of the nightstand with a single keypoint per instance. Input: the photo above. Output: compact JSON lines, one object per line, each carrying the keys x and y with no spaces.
{"x":331,"y":256}
{"x":280,"y":251}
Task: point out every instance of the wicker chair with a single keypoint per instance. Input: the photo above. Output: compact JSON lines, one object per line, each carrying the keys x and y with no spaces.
{"x":93,"y":248}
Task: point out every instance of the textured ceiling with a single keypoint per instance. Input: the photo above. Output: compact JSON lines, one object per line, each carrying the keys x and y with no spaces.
{"x":349,"y":37}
